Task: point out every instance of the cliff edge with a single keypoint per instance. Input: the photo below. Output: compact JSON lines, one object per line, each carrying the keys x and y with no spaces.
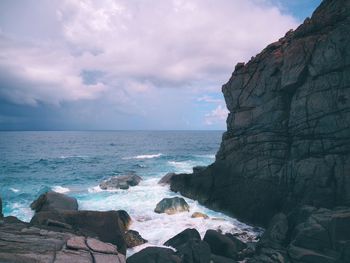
{"x":287,"y":142}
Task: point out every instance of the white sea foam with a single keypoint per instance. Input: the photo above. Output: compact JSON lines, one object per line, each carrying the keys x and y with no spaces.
{"x":60,"y":189}
{"x":15,"y":190}
{"x":209,"y":156}
{"x":144,"y":156}
{"x":184,"y":166}
{"x":21,"y":211}
{"x":140,"y":201}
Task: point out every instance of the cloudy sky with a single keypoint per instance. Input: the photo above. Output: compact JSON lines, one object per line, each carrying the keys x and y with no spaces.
{"x":129,"y":64}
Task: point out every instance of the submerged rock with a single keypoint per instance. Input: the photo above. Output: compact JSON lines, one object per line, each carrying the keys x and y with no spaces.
{"x":172,"y":206}
{"x":166,"y":179}
{"x":133,"y":239}
{"x":51,"y":201}
{"x":120,"y":182}
{"x":154,"y":255}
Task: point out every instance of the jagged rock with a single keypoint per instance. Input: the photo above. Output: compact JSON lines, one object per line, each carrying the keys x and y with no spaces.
{"x":199,"y":215}
{"x":287,"y":141}
{"x":172,"y":206}
{"x":154,"y":255}
{"x":166,"y":179}
{"x":183,"y":237}
{"x":198,"y":169}
{"x":194,"y":251}
{"x":51,"y":201}
{"x":221,"y":245}
{"x":109,"y":226}
{"x":133,"y":239}
{"x":120,"y":182}
{"x":21,"y":242}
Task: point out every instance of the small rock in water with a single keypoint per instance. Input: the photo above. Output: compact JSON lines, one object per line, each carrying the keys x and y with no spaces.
{"x":199,"y":215}
{"x":133,"y":239}
{"x":120,"y":182}
{"x":172,"y":206}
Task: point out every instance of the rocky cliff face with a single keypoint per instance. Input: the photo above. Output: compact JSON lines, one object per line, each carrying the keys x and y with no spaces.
{"x":288,"y":130}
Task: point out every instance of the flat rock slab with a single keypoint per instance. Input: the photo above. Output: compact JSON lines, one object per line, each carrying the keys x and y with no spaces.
{"x":108,"y":258}
{"x":99,"y":246}
{"x":77,"y":242}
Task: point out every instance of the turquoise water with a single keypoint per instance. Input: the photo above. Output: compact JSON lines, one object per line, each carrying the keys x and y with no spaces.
{"x":75,"y":163}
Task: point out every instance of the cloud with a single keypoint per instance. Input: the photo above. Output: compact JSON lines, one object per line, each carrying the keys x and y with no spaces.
{"x":127,"y":54}
{"x":218,"y":115}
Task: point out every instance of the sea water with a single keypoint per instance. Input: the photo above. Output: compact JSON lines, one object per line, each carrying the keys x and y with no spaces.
{"x":74,"y":163}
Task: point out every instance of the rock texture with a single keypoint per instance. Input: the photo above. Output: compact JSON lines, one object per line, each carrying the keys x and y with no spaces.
{"x":109,"y":226}
{"x":133,"y":239}
{"x":20,"y":242}
{"x":172,"y":206}
{"x":288,"y":130}
{"x":120,"y":182}
{"x":51,"y":201}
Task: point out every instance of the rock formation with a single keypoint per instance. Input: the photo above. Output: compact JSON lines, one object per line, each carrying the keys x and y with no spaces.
{"x":120,"y":182}
{"x":288,"y":130}
{"x":51,"y":201}
{"x":172,"y":206}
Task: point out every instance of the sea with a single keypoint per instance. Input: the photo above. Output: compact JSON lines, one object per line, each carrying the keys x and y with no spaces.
{"x":75,"y":162}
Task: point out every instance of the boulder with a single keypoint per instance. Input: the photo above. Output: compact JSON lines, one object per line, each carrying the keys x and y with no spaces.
{"x":109,"y":226}
{"x":183,"y":237}
{"x":154,"y":255}
{"x":199,"y":215}
{"x":198,"y":169}
{"x":120,"y":182}
{"x":166,"y":179}
{"x":220,"y":259}
{"x":172,"y":206}
{"x":51,"y":201}
{"x":194,"y":251}
{"x":21,"y":242}
{"x":221,"y":245}
{"x":133,"y":239}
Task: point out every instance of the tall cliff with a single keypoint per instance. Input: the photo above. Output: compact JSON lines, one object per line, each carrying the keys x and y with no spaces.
{"x":288,"y":130}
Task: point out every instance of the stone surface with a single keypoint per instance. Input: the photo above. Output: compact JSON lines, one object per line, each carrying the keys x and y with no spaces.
{"x":20,"y":242}
{"x":183,"y":237}
{"x":109,"y":226}
{"x":172,"y":206}
{"x":220,"y":259}
{"x":120,"y":182}
{"x":133,"y":239}
{"x":221,"y":245}
{"x":166,"y":179}
{"x":99,"y":246}
{"x":154,"y":255}
{"x":194,"y":251}
{"x":199,"y":215}
{"x":287,"y":141}
{"x":51,"y":201}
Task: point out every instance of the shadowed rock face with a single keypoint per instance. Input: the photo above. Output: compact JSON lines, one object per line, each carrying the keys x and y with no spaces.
{"x":288,"y":130}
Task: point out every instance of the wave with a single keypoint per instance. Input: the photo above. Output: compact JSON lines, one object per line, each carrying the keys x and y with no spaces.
{"x":15,"y":190}
{"x":60,"y":189}
{"x":209,"y":156}
{"x":144,"y":156}
{"x":183,"y":166}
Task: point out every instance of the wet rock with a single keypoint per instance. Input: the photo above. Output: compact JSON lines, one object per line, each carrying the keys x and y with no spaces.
{"x":222,"y":245}
{"x":154,"y":255}
{"x":199,"y":215}
{"x":220,"y":259}
{"x":166,"y":179}
{"x":194,"y":251}
{"x":198,"y":169}
{"x":183,"y":237}
{"x":172,"y":206}
{"x":51,"y":201}
{"x":133,"y":239}
{"x":120,"y":182}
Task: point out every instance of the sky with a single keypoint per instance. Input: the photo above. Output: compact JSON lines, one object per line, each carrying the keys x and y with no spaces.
{"x":130,"y":64}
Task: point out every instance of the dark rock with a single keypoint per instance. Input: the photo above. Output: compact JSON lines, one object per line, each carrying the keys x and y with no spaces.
{"x":21,"y":242}
{"x":240,"y":245}
{"x":198,"y":169}
{"x":133,"y":239}
{"x":120,"y":182}
{"x":109,"y":226}
{"x":166,"y":179}
{"x":220,"y":259}
{"x":183,"y":237}
{"x":287,"y":142}
{"x":51,"y":201}
{"x":154,"y":255}
{"x":194,"y":251}
{"x":172,"y":206}
{"x":1,"y":214}
{"x":221,"y":245}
